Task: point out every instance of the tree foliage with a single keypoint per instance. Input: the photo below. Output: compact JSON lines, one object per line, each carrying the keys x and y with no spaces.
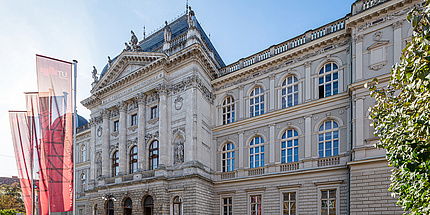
{"x":10,"y":197}
{"x":8,"y":212}
{"x":402,"y":121}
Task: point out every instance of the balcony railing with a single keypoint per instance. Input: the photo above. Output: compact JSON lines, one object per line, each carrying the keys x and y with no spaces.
{"x":228,"y":175}
{"x":329,"y":161}
{"x":256,"y":171}
{"x":289,"y":167}
{"x":285,"y":46}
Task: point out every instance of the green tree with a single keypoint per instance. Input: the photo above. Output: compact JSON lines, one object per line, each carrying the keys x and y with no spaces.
{"x":10,"y":197}
{"x":8,"y":212}
{"x":401,"y":118}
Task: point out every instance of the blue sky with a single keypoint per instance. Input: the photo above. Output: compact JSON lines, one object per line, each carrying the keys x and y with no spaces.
{"x":91,"y":30}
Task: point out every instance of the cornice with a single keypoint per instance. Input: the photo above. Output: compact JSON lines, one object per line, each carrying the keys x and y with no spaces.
{"x":287,"y":58}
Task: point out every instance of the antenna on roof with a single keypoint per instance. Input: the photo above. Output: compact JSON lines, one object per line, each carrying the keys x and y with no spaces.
{"x":144,"y":33}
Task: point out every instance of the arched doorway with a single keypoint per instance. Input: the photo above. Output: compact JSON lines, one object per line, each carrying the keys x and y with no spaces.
{"x":148,"y":205}
{"x":127,"y":206}
{"x":109,"y":207}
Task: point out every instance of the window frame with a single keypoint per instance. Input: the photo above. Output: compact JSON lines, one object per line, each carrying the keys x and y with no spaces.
{"x":228,"y":110}
{"x":116,"y":126}
{"x":180,"y":203}
{"x":250,"y":195}
{"x":154,"y":112}
{"x":324,"y":133}
{"x":261,"y":150}
{"x":133,"y":156}
{"x":229,"y":211}
{"x":329,"y":187}
{"x":133,"y":119}
{"x":293,"y":147}
{"x":284,"y":91}
{"x":83,"y":152}
{"x":152,"y":156}
{"x":115,"y":163}
{"x":324,"y":75}
{"x":261,"y":101}
{"x":232,"y":158}
{"x":83,"y":179}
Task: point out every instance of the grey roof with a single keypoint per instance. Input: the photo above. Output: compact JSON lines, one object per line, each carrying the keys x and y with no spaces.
{"x":177,"y":27}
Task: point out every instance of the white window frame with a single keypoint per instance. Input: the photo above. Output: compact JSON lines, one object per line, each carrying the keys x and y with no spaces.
{"x":294,"y":94}
{"x":324,"y":132}
{"x":293,"y":138}
{"x":249,"y":201}
{"x":230,"y":110}
{"x":232,"y":158}
{"x":281,"y":197}
{"x":329,"y":187}
{"x":83,"y":153}
{"x":331,"y":82}
{"x":261,"y":104}
{"x":259,"y":145}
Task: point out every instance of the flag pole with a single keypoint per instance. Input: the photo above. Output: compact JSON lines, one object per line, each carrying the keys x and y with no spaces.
{"x":75,"y":63}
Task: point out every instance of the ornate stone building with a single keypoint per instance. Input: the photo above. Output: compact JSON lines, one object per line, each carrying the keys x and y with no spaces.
{"x":174,"y":130}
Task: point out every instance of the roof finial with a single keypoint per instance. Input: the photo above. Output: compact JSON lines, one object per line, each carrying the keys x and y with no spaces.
{"x":144,"y":33}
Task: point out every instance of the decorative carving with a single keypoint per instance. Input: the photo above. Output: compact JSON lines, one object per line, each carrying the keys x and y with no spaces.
{"x":141,"y":98}
{"x":133,"y":128}
{"x":152,"y":98}
{"x":397,"y":24}
{"x":153,"y":121}
{"x":149,"y":136}
{"x":127,"y":47}
{"x":378,"y":66}
{"x":167,"y":32}
{"x":133,"y":105}
{"x":359,"y":38}
{"x":94,"y":74}
{"x":179,"y":152}
{"x":341,"y":112}
{"x":105,"y":113}
{"x":377,"y":36}
{"x":190,"y":19}
{"x":328,"y":114}
{"x":99,"y":131}
{"x":99,"y":166}
{"x":386,"y":18}
{"x":131,"y":142}
{"x":178,"y":103}
{"x":114,"y":113}
{"x":178,"y":130}
{"x":113,"y":147}
{"x":115,"y":134}
{"x":316,"y":117}
{"x":122,"y":106}
{"x":308,"y":64}
{"x":109,"y":61}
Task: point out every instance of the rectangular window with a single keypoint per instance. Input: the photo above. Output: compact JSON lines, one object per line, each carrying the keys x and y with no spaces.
{"x":133,"y":119}
{"x":115,"y":126}
{"x":227,"y":206}
{"x":154,"y":112}
{"x":289,"y":203}
{"x":328,"y":202}
{"x":255,"y":205}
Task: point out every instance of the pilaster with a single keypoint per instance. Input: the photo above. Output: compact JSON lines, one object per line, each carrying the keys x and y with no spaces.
{"x":359,"y":121}
{"x":141,"y":131}
{"x":359,"y":57}
{"x":122,"y":106}
{"x":308,"y":140}
{"x":105,"y":143}
{"x":163,"y":144}
{"x":397,"y":26}
{"x":272,"y":92}
{"x":308,"y":86}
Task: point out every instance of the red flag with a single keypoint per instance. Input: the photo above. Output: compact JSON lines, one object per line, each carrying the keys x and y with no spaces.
{"x":23,"y":154}
{"x":54,"y":79}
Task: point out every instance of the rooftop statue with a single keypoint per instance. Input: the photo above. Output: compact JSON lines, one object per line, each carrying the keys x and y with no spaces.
{"x":133,"y":40}
{"x":94,"y":74}
{"x":109,"y":61}
{"x":127,"y":47}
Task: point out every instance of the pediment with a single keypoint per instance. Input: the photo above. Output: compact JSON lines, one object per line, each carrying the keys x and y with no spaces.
{"x":378,"y":44}
{"x":124,"y":65}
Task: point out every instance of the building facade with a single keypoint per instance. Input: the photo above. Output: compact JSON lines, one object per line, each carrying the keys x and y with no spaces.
{"x":174,"y":130}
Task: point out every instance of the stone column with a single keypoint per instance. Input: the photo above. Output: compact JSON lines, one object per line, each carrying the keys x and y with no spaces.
{"x":272,"y":93}
{"x":272,"y":147}
{"x":106,"y":143}
{"x":241,"y":151}
{"x":397,"y":41}
{"x":359,"y":121}
{"x":93,"y":149}
{"x":141,"y":132}
{"x":241,"y":104}
{"x":163,"y":128}
{"x":308,"y":136}
{"x":308,"y":86}
{"x":122,"y":106}
{"x":359,"y":57}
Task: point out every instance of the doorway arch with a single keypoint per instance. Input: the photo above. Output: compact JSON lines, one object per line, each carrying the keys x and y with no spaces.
{"x":148,"y":205}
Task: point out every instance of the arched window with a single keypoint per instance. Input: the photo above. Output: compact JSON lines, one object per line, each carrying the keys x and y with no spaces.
{"x":83,"y":182}
{"x":228,"y":110}
{"x":328,"y":139}
{"x":83,"y":153}
{"x":290,"y":92}
{"x":328,"y":80}
{"x":110,"y":207}
{"x":228,"y":157}
{"x":127,"y":206}
{"x":133,"y":159}
{"x":256,"y":152}
{"x":115,"y":163}
{"x":148,"y":205}
{"x":153,"y":155}
{"x":290,"y":146}
{"x":256,"y":102}
{"x":177,"y":205}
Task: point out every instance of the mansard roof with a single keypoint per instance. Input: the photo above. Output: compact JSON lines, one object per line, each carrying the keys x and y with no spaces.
{"x":177,"y":27}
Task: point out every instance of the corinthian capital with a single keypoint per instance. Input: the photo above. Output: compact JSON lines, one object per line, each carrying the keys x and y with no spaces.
{"x":141,"y":98}
{"x":105,"y":113}
{"x":122,"y":106}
